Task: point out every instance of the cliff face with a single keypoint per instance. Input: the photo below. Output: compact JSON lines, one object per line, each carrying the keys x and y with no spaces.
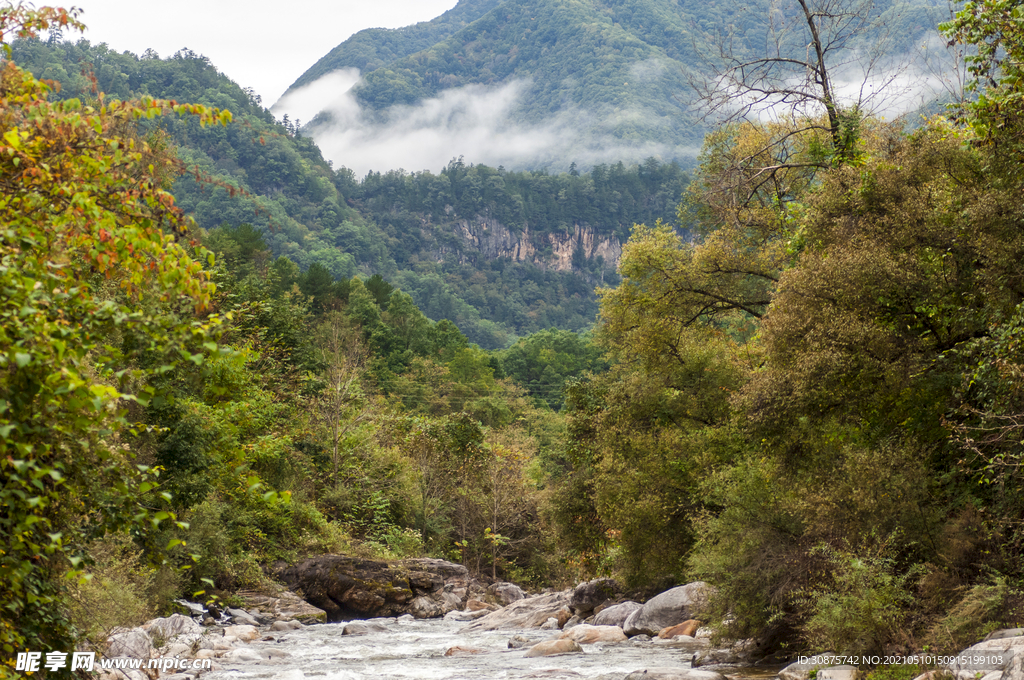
{"x":487,"y":238}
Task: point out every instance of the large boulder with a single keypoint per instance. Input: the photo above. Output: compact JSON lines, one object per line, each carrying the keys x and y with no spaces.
{"x":586,"y":634}
{"x":552,"y":647}
{"x":504,"y":594}
{"x":533,"y":612}
{"x":586,"y":597}
{"x":616,"y":614}
{"x":283,"y":606}
{"x":353,"y":588}
{"x":165,"y":629}
{"x":1002,"y":654}
{"x":668,"y":609}
{"x":135,"y":643}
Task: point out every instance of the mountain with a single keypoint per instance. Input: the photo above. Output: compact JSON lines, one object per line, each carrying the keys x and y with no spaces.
{"x":498,"y":252}
{"x":613,"y":73}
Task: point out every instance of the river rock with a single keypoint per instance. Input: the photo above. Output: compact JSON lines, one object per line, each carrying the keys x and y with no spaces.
{"x":552,"y":647}
{"x":135,"y":643}
{"x":241,"y":617}
{"x":246,"y":633}
{"x":283,"y":605}
{"x":616,"y":614}
{"x":504,"y":594}
{"x":686,"y":643}
{"x":517,"y":641}
{"x":838,"y":673}
{"x":588,"y":635}
{"x":532,"y":612}
{"x":477,"y":605}
{"x":739,"y":652}
{"x":353,"y":588}
{"x":685,"y":628}
{"x":363,"y":628}
{"x":194,"y":609}
{"x":173,"y":626}
{"x":572,"y":622}
{"x":550,"y":624}
{"x":670,"y":608}
{"x":673,"y":673}
{"x":463,"y":651}
{"x":588,"y":596}
{"x":802,"y":671}
{"x":467,"y":615}
{"x":976,"y":661}
{"x":285,"y":625}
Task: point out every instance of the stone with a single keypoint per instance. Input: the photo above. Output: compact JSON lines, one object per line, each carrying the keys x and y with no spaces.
{"x":463,"y":651}
{"x":588,"y":635}
{"x":517,"y":641}
{"x":504,"y":594}
{"x":552,"y":647}
{"x":206,"y":654}
{"x":739,"y":652}
{"x":466,"y":616}
{"x":135,"y":643}
{"x":640,"y":639}
{"x":531,"y":612}
{"x":209,"y":621}
{"x":363,"y":628}
{"x":802,"y":670}
{"x":685,"y":628}
{"x":616,"y":614}
{"x":838,"y":673}
{"x":563,"y":616}
{"x":477,"y":605}
{"x":1004,"y":633}
{"x":172,"y":626}
{"x":572,"y":622}
{"x":673,"y":673}
{"x":242,"y":617}
{"x":285,"y":625}
{"x":550,"y":624}
{"x":670,"y":608}
{"x":176,"y":649}
{"x":246,"y":633}
{"x":193,"y":608}
{"x":347,"y":588}
{"x":283,"y":605}
{"x":588,"y":596}
{"x":687,"y":644}
{"x":1005,"y":654}
{"x":405,"y":618}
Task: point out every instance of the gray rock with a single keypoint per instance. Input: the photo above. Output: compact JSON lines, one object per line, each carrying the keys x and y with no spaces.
{"x":285,"y":625}
{"x":550,"y":624}
{"x":135,"y":643}
{"x":572,"y":622}
{"x":363,"y":628}
{"x":466,"y":616}
{"x":588,"y":635}
{"x":194,"y":608}
{"x":739,"y":652}
{"x":1003,"y":654}
{"x":172,"y":626}
{"x":282,"y":605}
{"x":242,"y":617}
{"x":424,"y":607}
{"x":668,"y":609}
{"x":838,"y":673}
{"x":504,"y":594}
{"x":532,"y":612}
{"x":1004,"y":633}
{"x":802,"y":671}
{"x":588,"y":596}
{"x":617,"y":614}
{"x":518,"y":641}
{"x":641,"y":638}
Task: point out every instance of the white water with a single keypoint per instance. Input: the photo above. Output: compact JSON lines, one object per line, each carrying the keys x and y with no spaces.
{"x":415,"y":649}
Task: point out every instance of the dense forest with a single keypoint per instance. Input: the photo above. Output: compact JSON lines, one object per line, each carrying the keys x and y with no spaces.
{"x":403,"y":226}
{"x":806,"y":389}
{"x":612,"y":70}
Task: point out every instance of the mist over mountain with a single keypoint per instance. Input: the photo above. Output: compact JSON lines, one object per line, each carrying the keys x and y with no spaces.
{"x":544,"y":83}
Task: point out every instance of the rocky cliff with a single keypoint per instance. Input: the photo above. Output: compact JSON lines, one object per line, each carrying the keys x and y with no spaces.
{"x":561,"y":251}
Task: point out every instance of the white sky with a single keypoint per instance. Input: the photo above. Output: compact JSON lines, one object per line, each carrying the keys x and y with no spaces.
{"x":258,"y":44}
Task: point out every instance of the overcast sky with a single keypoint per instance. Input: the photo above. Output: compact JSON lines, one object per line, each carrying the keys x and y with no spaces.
{"x":258,"y":44}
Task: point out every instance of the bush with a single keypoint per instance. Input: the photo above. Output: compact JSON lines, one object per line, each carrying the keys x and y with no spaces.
{"x":862,"y":607}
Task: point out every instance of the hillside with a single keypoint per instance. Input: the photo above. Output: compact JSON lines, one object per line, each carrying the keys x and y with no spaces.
{"x":500,"y":253}
{"x":609,"y":73}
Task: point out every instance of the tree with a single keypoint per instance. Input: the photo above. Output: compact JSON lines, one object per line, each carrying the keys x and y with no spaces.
{"x":99,"y":297}
{"x":809,"y":45}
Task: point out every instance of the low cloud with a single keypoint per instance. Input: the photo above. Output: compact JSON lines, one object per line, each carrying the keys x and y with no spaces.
{"x":478,"y":122}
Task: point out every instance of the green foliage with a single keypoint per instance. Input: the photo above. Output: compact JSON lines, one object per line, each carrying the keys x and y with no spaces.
{"x":542,"y":362}
{"x":861,"y":608}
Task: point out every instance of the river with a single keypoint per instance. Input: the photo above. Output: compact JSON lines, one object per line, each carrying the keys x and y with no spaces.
{"x":414,"y":648}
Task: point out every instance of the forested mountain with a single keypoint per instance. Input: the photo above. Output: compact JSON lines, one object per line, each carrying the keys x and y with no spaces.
{"x":605,"y":69}
{"x":499,"y":253}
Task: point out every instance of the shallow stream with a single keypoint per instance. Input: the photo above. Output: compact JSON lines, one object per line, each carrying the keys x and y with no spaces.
{"x":412,"y":648}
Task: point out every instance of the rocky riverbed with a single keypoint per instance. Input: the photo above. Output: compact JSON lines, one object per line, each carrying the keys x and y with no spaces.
{"x":497,"y":631}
